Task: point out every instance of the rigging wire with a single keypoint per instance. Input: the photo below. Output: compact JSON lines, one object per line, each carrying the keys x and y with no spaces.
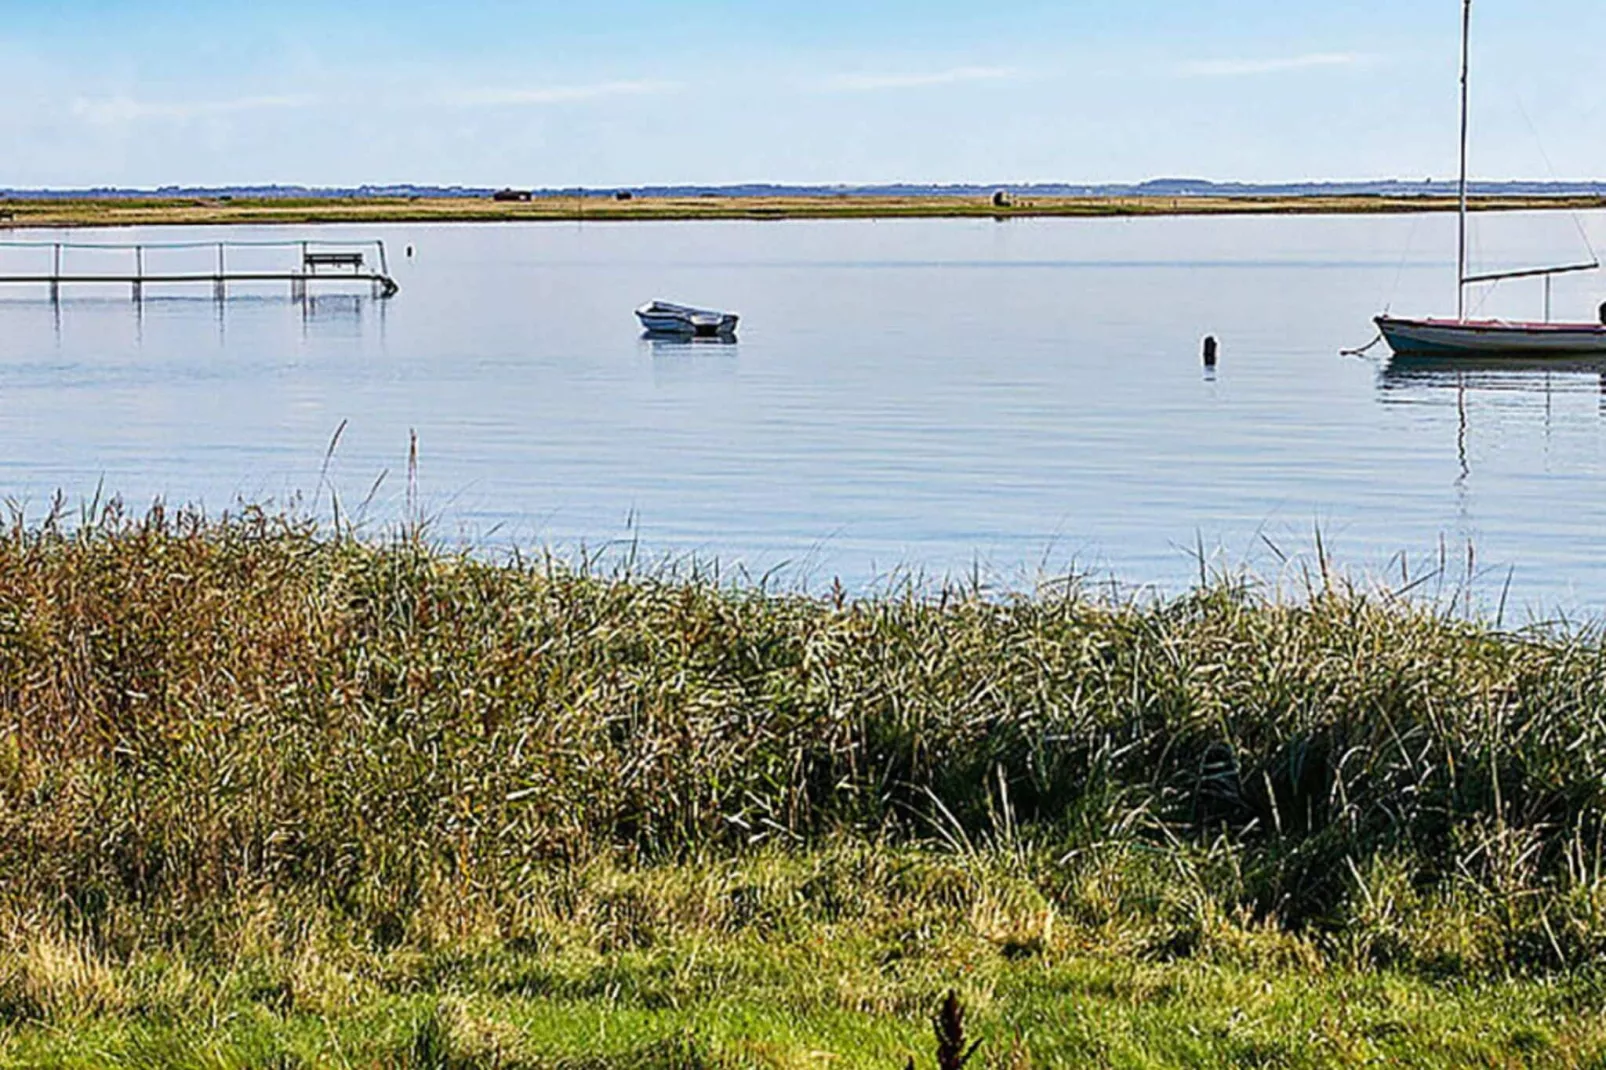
{"x":1399,"y":269}
{"x":1539,"y":143}
{"x":1485,"y":296}
{"x":1394,"y":289}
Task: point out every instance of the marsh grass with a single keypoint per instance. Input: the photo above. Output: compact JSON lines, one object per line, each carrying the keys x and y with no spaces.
{"x":311,"y":794}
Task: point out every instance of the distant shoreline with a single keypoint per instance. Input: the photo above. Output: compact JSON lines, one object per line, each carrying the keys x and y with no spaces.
{"x":204,"y":211}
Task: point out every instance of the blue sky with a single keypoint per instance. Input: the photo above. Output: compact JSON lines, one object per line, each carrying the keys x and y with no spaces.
{"x":620,"y":92}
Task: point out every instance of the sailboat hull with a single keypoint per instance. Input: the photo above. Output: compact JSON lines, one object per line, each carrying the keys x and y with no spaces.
{"x":1462,"y":337}
{"x":1449,"y":338}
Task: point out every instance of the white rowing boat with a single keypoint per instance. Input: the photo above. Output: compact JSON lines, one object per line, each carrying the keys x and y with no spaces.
{"x":661,"y":317}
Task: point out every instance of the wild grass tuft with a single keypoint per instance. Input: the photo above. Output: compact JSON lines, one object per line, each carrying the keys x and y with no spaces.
{"x":248,"y":762}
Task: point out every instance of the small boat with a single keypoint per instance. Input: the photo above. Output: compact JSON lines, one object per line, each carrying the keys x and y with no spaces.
{"x":661,"y":317}
{"x":1447,"y":337}
{"x":1463,"y":337}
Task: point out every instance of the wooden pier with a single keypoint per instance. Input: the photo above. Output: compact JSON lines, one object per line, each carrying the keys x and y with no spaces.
{"x":315,"y":262}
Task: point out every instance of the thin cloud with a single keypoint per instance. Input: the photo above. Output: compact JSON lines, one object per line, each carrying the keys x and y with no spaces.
{"x":116,"y":110}
{"x":1239,"y":68}
{"x":561,"y":94}
{"x":866,"y":83}
{"x":121,"y":110}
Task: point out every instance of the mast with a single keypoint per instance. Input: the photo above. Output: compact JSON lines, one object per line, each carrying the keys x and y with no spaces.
{"x":1461,"y":251}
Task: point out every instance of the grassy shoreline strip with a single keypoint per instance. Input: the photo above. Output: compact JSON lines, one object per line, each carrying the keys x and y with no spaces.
{"x":112,"y":212}
{"x":268,"y":793}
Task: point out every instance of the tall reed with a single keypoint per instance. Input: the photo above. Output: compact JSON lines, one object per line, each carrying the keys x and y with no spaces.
{"x":197,"y":713}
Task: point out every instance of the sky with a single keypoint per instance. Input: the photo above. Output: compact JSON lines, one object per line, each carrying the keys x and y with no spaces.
{"x":606,"y":93}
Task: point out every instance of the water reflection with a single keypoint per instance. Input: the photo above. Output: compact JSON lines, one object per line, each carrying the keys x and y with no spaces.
{"x":684,"y":360}
{"x":335,"y":316}
{"x":1414,"y":378}
{"x":684,"y":343}
{"x":159,"y":331}
{"x":1526,"y":374}
{"x":1492,"y":393}
{"x":331,"y":306}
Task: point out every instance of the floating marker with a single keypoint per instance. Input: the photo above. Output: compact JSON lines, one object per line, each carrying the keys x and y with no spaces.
{"x":1210,"y":351}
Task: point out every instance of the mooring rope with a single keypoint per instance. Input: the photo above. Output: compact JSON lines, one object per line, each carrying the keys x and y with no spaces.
{"x":1365,"y":349}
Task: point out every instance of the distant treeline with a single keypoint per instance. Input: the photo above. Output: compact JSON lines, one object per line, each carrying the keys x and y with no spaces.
{"x":1163,"y":187}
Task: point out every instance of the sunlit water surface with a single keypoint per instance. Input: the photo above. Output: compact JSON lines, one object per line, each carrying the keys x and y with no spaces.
{"x":947,"y":398}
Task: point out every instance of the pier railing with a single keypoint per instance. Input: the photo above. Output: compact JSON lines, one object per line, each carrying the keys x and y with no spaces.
{"x":132,"y":263}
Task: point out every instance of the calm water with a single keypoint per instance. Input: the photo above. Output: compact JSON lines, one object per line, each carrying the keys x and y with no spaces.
{"x":935,"y":396}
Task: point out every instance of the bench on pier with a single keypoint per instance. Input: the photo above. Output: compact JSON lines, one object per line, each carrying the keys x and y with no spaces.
{"x":313,"y":261}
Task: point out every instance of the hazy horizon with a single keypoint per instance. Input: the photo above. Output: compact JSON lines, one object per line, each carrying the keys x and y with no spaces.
{"x":759,"y":187}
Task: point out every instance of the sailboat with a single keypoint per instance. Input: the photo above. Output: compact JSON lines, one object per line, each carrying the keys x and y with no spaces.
{"x":1470,"y":337}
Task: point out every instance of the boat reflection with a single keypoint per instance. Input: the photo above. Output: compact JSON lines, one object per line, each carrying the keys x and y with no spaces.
{"x":1519,"y":373}
{"x":682,"y":360}
{"x":1504,"y":382}
{"x":685,"y":344}
{"x":1404,"y":379}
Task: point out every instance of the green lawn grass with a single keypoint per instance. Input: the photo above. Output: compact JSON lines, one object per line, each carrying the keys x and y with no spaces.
{"x":278,"y":796}
{"x":801,"y":989}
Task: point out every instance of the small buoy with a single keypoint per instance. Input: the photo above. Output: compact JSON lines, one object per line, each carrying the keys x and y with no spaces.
{"x":1603,"y":313}
{"x":409,"y":252}
{"x":1210,"y":351}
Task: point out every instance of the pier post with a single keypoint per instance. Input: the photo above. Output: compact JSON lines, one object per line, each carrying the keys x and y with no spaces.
{"x":218,"y":290}
{"x":139,"y":271}
{"x":55,"y":274}
{"x":298,"y":288}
